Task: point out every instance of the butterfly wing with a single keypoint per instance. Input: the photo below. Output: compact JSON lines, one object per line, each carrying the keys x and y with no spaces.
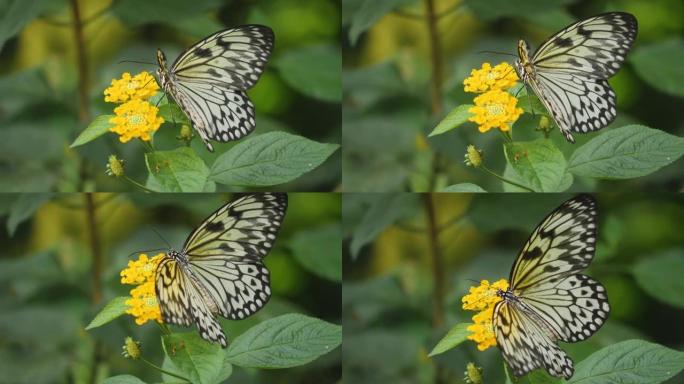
{"x":553,"y":301}
{"x":208,"y":81}
{"x":182,"y":302}
{"x":570,"y":71}
{"x":562,"y":244}
{"x":225,"y":252}
{"x":526,"y":344}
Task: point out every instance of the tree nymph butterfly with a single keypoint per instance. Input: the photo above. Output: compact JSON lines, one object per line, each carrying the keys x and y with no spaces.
{"x":220,"y":269}
{"x":549,"y":300}
{"x":569,"y":71}
{"x":209,"y":80}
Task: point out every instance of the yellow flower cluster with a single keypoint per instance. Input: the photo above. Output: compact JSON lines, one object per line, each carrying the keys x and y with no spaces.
{"x":502,"y":76}
{"x":143,"y":303}
{"x":141,"y":86}
{"x":494,"y":108}
{"x":136,"y":117}
{"x":483,"y":298}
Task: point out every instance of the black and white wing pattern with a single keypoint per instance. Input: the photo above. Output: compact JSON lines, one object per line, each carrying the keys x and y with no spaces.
{"x":220,"y":270}
{"x":549,"y":300}
{"x":569,"y":71}
{"x":209,"y":80}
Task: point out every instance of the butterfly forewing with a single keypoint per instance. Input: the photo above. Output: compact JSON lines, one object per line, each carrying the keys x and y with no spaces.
{"x":549,"y":300}
{"x":220,"y":271}
{"x":568,"y":72}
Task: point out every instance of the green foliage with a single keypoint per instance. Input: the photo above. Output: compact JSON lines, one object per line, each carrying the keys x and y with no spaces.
{"x":311,"y":71}
{"x":660,"y":66}
{"x":23,"y":208}
{"x":464,"y":188}
{"x":661,"y":276}
{"x":180,"y":170}
{"x":368,"y":12}
{"x":454,"y":119}
{"x":269,"y":159}
{"x":284,"y":341}
{"x":98,"y":127}
{"x":627,"y":152}
{"x":115,"y":308}
{"x":630,"y":362}
{"x":307,"y":245}
{"x":452,"y":339}
{"x":539,"y":164}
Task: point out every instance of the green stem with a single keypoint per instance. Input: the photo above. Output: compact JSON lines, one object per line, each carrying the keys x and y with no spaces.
{"x":507,"y":135}
{"x":165,"y":328}
{"x":505,"y":180}
{"x":160,"y":369}
{"x":135,"y":183}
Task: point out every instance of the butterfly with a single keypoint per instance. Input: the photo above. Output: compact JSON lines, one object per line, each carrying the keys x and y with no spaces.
{"x":569,"y":71}
{"x":220,"y":269}
{"x":209,"y":80}
{"x":549,"y":300}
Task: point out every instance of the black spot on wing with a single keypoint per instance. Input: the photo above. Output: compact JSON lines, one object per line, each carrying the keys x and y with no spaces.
{"x":563,"y":42}
{"x":532,"y":254}
{"x":202,"y":52}
{"x":223,"y":44}
{"x":226,"y":248}
{"x":216,"y":226}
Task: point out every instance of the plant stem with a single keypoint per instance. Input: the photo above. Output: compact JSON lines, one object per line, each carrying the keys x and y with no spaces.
{"x":160,"y":369}
{"x":135,"y":183}
{"x":436,"y":80}
{"x":96,"y":254}
{"x":505,"y":180}
{"x":437,"y":262}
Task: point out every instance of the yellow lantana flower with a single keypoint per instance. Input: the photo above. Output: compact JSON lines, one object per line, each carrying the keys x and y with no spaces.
{"x":141,"y":86}
{"x":135,"y":118}
{"x":502,"y":76}
{"x":483,"y":298}
{"x":143,"y":303}
{"x":495,"y":109}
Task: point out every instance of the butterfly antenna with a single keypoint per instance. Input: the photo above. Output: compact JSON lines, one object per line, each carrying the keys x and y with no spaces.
{"x":163,"y":239}
{"x":498,"y":53}
{"x":134,"y":61}
{"x":145,"y":251}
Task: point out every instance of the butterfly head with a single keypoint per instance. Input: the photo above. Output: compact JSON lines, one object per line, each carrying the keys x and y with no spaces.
{"x":178,"y":257}
{"x":523,"y":64}
{"x":162,"y":71}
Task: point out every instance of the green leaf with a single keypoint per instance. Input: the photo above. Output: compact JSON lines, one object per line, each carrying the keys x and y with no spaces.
{"x":196,"y":359}
{"x":313,"y":71}
{"x":661,"y":276}
{"x":454,"y":337}
{"x":629,"y":362}
{"x":464,"y":187}
{"x":660,"y":65}
{"x":179,"y":170}
{"x":269,"y":159}
{"x":369,"y":13}
{"x":456,"y":117}
{"x":97,"y":128}
{"x":172,"y":113}
{"x":122,"y":379}
{"x":284,"y":341}
{"x":115,"y":308}
{"x":539,"y":163}
{"x":319,"y":251}
{"x":23,"y":208}
{"x":385,"y":209}
{"x":626,"y":152}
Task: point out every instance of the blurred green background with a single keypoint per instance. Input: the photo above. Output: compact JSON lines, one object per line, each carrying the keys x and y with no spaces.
{"x":40,"y":107}
{"x":388,"y":109}
{"x":52,"y":283}
{"x":394,"y":311}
